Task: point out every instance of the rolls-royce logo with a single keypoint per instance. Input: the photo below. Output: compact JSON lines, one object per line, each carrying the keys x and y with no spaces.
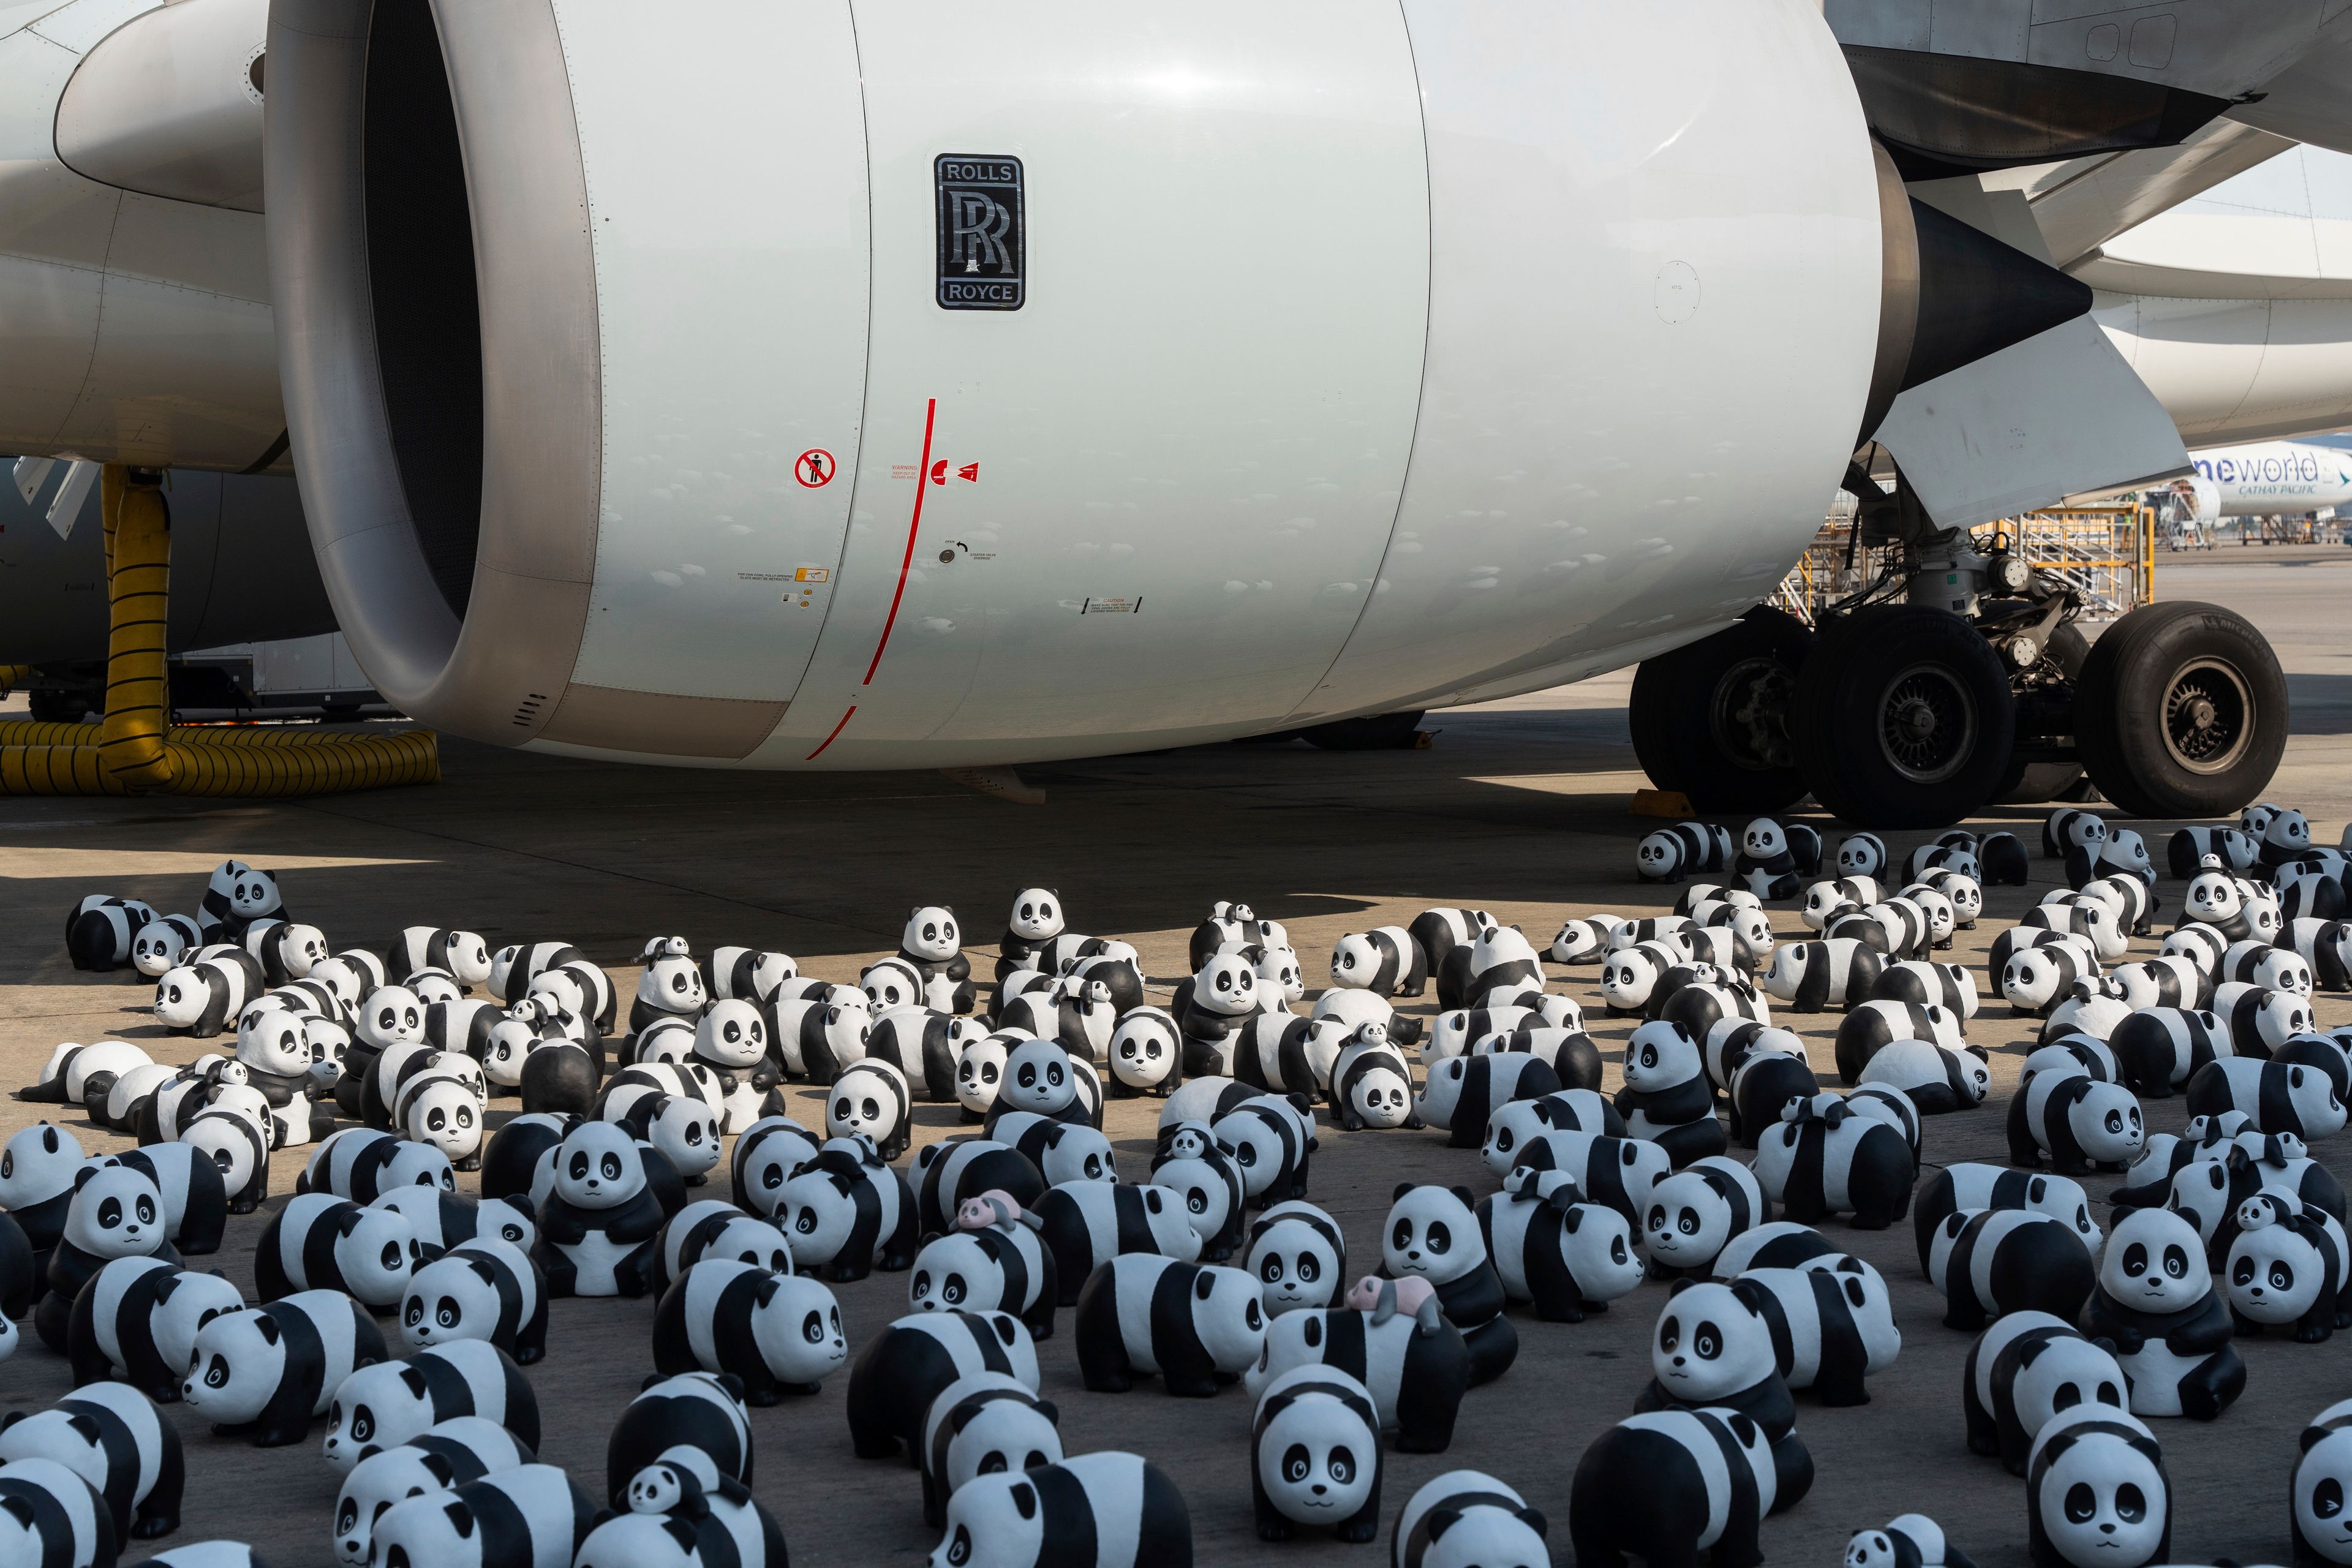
{"x":982,"y":237}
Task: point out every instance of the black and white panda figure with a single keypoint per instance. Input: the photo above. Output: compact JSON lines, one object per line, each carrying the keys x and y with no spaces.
{"x":1061,"y":1151}
{"x":891,"y":982}
{"x":2159,"y":1048}
{"x":948,"y":1174}
{"x":1437,"y":932}
{"x":100,"y":930}
{"x":1954,"y":852}
{"x":1209,"y":1182}
{"x":442,"y":1220}
{"x":1632,"y":976}
{"x":264,"y":1372}
{"x":1862,"y":854}
{"x":236,"y":1133}
{"x":770,"y":1333}
{"x":482,"y":1289}
{"x":1043,"y":1077}
{"x":2069,"y":828}
{"x":2093,"y":1010}
{"x":2325,"y":947}
{"x":1106,"y":1510}
{"x":1925,"y":984}
{"x":933,"y":942}
{"x":2287,"y":1267}
{"x":530,"y":1517}
{"x":1385,"y":960}
{"x":235,"y":895}
{"x":2023,"y":1371}
{"x":1497,"y":961}
{"x":1566,"y":1256}
{"x":1833,"y":899}
{"x":669,"y":986}
{"x":580,"y":987}
{"x":906,"y":1366}
{"x":1461,"y":1092}
{"x":162,"y":942}
{"x":136,"y":1322}
{"x":1196,"y":1326}
{"x":390,"y":1018}
{"x":2302,"y":893}
{"x":363,"y":1164}
{"x":2157,"y":1304}
{"x":1969,"y":1184}
{"x":1372,"y":1083}
{"x":112,"y":1437}
{"x":1933,"y":1077}
{"x":2316,"y":1487}
{"x":445,"y":1110}
{"x":1992,"y":1262}
{"x":38,"y":1167}
{"x":1695,"y":1212}
{"x":870,"y":1100}
{"x":1146,"y":1054}
{"x":1392,"y":1337}
{"x":2035,"y":970}
{"x":922,"y":1043}
{"x":1832,"y":1327}
{"x":2096,"y":1493}
{"x":1568,"y":1051}
{"x":1824,"y":1157}
{"x":766,"y":1156}
{"x":2122,"y":854}
{"x":204,"y":995}
{"x":1906,"y":1541}
{"x":1086,"y":1224}
{"x":394,"y":1402}
{"x":746,"y":973}
{"x":600,"y":1224}
{"x":463,"y":956}
{"x":731,"y":1039}
{"x":2299,"y":1090}
{"x":1211,"y":1009}
{"x":980,"y":1075}
{"x":2169,"y":979}
{"x":1233,"y":926}
{"x":1783,"y":1244}
{"x":1315,"y":1456}
{"x":320,"y":1242}
{"x":2254,"y":961}
{"x":1666,"y":1486}
{"x":1670,"y":854}
{"x":697,"y":1412}
{"x":2284,"y":835}
{"x":848,"y":1212}
{"x":1284,"y":1053}
{"x":1666,"y":1098}
{"x":457,"y":1451}
{"x":2260,"y":1020}
{"x":713,"y":1228}
{"x":1815,"y":977}
{"x":1271,"y":1138}
{"x":1773,"y":860}
{"x":993,"y":1259}
{"x":1770,"y":1071}
{"x":1432,"y":1232}
{"x":1713,"y":1350}
{"x":50,"y":1515}
{"x":982,"y":1424}
{"x":2093,"y":919}
{"x":2186,"y":852}
{"x":115,"y":1212}
{"x":1464,"y":1517}
{"x":1298,"y":1257}
{"x":2074,"y":1122}
{"x":1037,"y":917}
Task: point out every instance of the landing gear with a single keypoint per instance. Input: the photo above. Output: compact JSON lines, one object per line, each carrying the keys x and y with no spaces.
{"x":1712,"y":719}
{"x":1902,"y":717}
{"x":2181,"y":711}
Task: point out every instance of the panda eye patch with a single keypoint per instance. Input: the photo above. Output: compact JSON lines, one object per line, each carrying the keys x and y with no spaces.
{"x":2328,"y":1498}
{"x":2131,"y":1507}
{"x":812,"y":1328}
{"x":1402,"y":1234}
{"x":2176,"y":1262}
{"x":110,"y":1214}
{"x":1438,"y":1239}
{"x":612,"y":1167}
{"x":2134,"y":1260}
{"x":1706,"y":1341}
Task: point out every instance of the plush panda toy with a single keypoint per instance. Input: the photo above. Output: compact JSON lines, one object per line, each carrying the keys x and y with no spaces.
{"x":599,"y":1226}
{"x":1315,"y":1456}
{"x":2287,"y":1267}
{"x":1567,"y":1257}
{"x":264,"y":1372}
{"x":2096,"y":1493}
{"x":1667,"y":1485}
{"x":772,"y":1333}
{"x":1298,"y":1258}
{"x":1432,"y":1232}
{"x":1212,"y":1327}
{"x":1105,"y":1509}
{"x":530,"y":1515}
{"x":986,"y":1423}
{"x":847,"y":1212}
{"x":1713,"y":1348}
{"x":2171,"y":1329}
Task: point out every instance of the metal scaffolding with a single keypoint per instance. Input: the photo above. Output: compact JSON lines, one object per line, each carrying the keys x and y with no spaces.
{"x":2107,"y":554}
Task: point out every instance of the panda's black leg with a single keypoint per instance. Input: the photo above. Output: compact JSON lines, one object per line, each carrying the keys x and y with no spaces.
{"x":159,"y":1512}
{"x":2214,"y":1385}
{"x":1836,"y":1386}
{"x":2315,"y":1325}
{"x":1983,"y":1431}
{"x":1365,"y":1526}
{"x":1793,"y":1464}
{"x":1271,"y":1524}
{"x":2245,"y":1327}
{"x":561,"y":1275}
{"x":53,"y":1320}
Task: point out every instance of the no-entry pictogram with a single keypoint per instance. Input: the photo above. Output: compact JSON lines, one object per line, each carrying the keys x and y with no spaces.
{"x":813,"y":469}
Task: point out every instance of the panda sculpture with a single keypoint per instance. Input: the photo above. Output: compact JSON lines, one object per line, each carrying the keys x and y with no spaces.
{"x":1906,"y":1541}
{"x":2156,"y":1303}
{"x":51,"y":1516}
{"x":1713,"y":1348}
{"x":2038,"y":972}
{"x":1372,"y":1083}
{"x":1695,"y":1213}
{"x":1773,"y":860}
{"x":394,"y":1402}
{"x":1209,"y":1182}
{"x":2299,"y":1090}
{"x":236,"y":895}
{"x":1992,"y":1262}
{"x":1298,"y":1257}
{"x":772,"y":1334}
{"x":1672,"y":853}
{"x":816,"y":1037}
{"x":993,"y":1260}
{"x":1385,"y":960}
{"x":1315,"y":1456}
{"x":115,"y":1212}
{"x":2074,"y":1122}
{"x":136,"y":1322}
{"x":1825,"y":1157}
{"x":1106,"y":1510}
{"x":1061,"y":1151}
{"x":1272,"y":1139}
{"x":1666,"y":1098}
{"x":161,"y":943}
{"x":982,"y":1424}
{"x":483,"y":1290}
{"x":264,"y":1372}
{"x":1510,"y":1127}
{"x":765,"y":1157}
{"x":363,"y":1164}
{"x":2287,"y":1267}
{"x":2260,"y":1020}
{"x":101,"y":931}
{"x":1211,"y":1009}
{"x":464,"y":1449}
{"x":320,"y":1242}
{"x":1466,"y":1518}
{"x":1390,"y":1337}
{"x":846,"y":1212}
{"x":112,"y":1437}
{"x":1969,"y":1184}
{"x":1036,"y":918}
{"x":948,"y":1174}
{"x":1043,"y":1077}
{"x":1831,"y":1327}
{"x":870,"y":1100}
{"x":599,"y":1226}
{"x":1432,"y":1232}
{"x":1831,"y":972}
{"x":1146,"y":1054}
{"x":1086,"y":1225}
{"x":1499,"y":960}
{"x":1667,"y":1485}
{"x":2096,"y":1493}
{"x":933,"y":943}
{"x":2023,"y":1371}
{"x":906,"y":1366}
{"x":2321,"y":1476}
{"x":1870,"y":1028}
{"x":530,"y":1517}
{"x":1566,"y":1256}
{"x":1196,"y":1326}
{"x":696,"y":1412}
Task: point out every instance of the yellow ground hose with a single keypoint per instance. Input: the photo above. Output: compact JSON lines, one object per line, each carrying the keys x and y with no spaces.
{"x":137,"y":749}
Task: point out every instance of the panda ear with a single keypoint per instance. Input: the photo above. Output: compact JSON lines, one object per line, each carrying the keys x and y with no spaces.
{"x":1534,"y":1519}
{"x":439,"y":1464}
{"x":1024,"y":1499}
{"x":83,"y":1175}
{"x":1469,"y":1199}
{"x":2312,"y":1435}
{"x":1751,"y":1295}
{"x":267,"y":1326}
{"x":461,"y":1519}
{"x":1979,"y":1053}
{"x":12,"y":1419}
{"x":21,"y":1510}
{"x":414,"y":1381}
{"x":1403,"y":1188}
{"x":1679,"y":1286}
{"x":1204,"y":1283}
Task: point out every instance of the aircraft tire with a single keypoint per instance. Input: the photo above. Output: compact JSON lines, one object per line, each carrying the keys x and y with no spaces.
{"x":1902,"y":717}
{"x":1710,"y":718}
{"x":2181,"y":711}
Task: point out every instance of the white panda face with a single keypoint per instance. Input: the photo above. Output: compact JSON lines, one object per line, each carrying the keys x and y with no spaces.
{"x":1038,"y":1078}
{"x":115,"y":1213}
{"x":1432,"y":1231}
{"x":686,"y":1131}
{"x":2275,"y":1274}
{"x":1601,"y":1253}
{"x":1294,"y":1265}
{"x":2322,"y":1478}
{"x":2212,"y":896}
{"x":376,"y":1484}
{"x":951,"y":1273}
{"x":1201,"y":1188}
{"x":1316,"y":1461}
{"x":994,"y":1522}
{"x":1227,"y":984}
{"x":1660,"y":1054}
{"x":2289,"y":831}
{"x":888,"y":986}
{"x":451,"y":1297}
{"x":1037,"y":915}
{"x":1382,"y":1096}
{"x":673,"y":985}
{"x":1687,"y":1222}
{"x":760,"y":1178}
{"x":446,"y":1114}
{"x":252,"y":894}
{"x":1658,"y":856}
{"x":1709,"y":1342}
{"x":817,"y":1217}
{"x":2107,"y":1123}
{"x":1763,"y":840}
{"x":1627,"y":978}
{"x":1864,"y":855}
{"x":980,"y":1073}
{"x":2030,"y":978}
{"x":273,"y":1042}
{"x":731,"y":1034}
{"x":185,"y":1303}
{"x":2155,"y":1262}
{"x":2100,"y":1501}
{"x":1354,"y":960}
{"x":1142,"y":1050}
{"x":598,"y":1167}
{"x":509,"y":1043}
{"x":37,"y":1164}
{"x":861,"y":1103}
{"x":1003,"y":1436}
{"x":2264,"y":918}
{"x":392,"y":1015}
{"x":233,"y":1367}
{"x":798,"y":1330}
{"x":181,"y":997}
{"x":376,"y":1256}
{"x":931,"y":934}
{"x":157,"y":948}
{"x":1280,"y":981}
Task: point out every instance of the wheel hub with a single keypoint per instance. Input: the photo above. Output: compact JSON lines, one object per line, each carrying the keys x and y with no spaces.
{"x":2208,"y":716}
{"x":1750,"y":716}
{"x":1926,"y":725}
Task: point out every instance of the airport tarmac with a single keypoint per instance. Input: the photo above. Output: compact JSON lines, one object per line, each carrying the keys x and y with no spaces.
{"x":1518,"y":808}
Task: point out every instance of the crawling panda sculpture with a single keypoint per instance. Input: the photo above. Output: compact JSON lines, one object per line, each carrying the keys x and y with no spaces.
{"x":1105,"y":1509}
{"x":1666,"y":1485}
{"x":2024,"y":1369}
{"x":1315,"y":1456}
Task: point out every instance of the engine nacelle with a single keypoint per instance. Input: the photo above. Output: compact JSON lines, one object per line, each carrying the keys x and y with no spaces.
{"x":998,"y":384}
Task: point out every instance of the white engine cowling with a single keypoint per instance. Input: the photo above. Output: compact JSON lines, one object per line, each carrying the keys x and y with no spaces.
{"x":1366,"y":356}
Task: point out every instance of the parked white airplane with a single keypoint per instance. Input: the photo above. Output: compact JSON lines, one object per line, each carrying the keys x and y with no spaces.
{"x":2283,"y":476}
